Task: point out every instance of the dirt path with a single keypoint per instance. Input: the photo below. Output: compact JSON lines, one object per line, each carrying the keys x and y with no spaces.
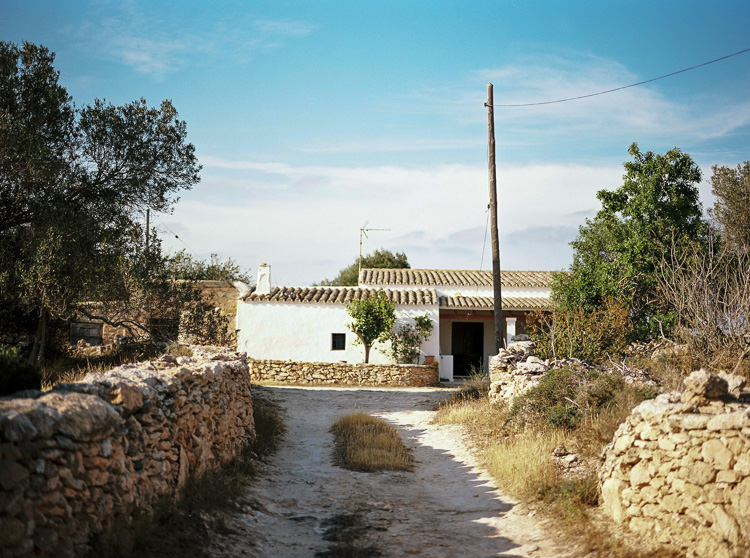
{"x":303,"y":506}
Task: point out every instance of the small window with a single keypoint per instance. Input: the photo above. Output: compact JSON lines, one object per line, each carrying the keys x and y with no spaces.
{"x":338,"y":341}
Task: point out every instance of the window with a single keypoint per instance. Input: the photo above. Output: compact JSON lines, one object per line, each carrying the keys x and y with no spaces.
{"x":338,"y":341}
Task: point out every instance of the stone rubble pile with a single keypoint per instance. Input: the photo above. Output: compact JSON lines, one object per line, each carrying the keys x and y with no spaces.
{"x":678,"y":469}
{"x":87,"y":456}
{"x":515,"y":370}
{"x":339,"y":373}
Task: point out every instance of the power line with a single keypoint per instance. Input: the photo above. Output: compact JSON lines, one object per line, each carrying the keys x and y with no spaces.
{"x":177,"y":237}
{"x":624,"y":86}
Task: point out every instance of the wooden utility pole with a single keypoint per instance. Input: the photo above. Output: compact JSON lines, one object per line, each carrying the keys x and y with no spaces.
{"x":496,"y":279}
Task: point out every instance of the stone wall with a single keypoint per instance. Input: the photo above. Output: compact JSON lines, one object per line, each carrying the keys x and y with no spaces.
{"x":678,"y":470}
{"x":79,"y":459}
{"x":289,"y":372}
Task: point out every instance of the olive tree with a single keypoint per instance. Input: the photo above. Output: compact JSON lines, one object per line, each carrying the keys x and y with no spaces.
{"x":373,"y":320}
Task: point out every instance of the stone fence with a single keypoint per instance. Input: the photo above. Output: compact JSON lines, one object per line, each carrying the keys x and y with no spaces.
{"x":289,"y":372}
{"x":88,"y":456}
{"x":678,"y":470}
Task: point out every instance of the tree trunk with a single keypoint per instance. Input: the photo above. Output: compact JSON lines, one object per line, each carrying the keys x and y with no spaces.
{"x":367,"y":353}
{"x":40,"y":339}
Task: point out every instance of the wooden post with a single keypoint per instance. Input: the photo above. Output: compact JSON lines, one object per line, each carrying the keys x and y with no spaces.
{"x":496,"y":278}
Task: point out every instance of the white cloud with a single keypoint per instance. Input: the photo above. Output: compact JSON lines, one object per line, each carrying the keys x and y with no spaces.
{"x":305,"y":220}
{"x":642,"y":112}
{"x":123,"y":32}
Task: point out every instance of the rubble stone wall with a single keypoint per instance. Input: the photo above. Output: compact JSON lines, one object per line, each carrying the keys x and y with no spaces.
{"x":78,"y":459}
{"x":678,"y":470}
{"x":290,"y":372}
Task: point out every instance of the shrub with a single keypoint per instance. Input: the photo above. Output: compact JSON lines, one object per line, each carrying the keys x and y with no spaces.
{"x":16,"y":373}
{"x":563,"y":398}
{"x":579,"y":333}
{"x":407,"y":339}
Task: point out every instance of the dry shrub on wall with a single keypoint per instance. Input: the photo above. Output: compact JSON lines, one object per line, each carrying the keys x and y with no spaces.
{"x":710,"y":292}
{"x":580,"y":333}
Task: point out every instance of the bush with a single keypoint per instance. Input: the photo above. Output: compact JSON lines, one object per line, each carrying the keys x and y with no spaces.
{"x":564,"y":398}
{"x":16,"y":373}
{"x":581,"y":333}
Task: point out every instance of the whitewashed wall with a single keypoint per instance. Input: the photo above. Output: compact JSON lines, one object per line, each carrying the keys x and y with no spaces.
{"x":454,"y":290}
{"x":302,"y":332}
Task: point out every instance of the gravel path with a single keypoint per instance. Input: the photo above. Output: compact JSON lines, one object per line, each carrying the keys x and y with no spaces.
{"x":303,"y":506}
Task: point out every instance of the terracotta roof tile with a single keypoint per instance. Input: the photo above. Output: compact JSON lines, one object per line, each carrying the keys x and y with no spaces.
{"x":453,"y":277}
{"x":487,"y":303}
{"x":342,"y":295}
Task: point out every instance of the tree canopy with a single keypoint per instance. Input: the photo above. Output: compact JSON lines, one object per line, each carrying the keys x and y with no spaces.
{"x":617,"y":253}
{"x":74,"y":183}
{"x":731,"y":210}
{"x":374,"y":318}
{"x":381,"y":259}
{"x":183,"y":266}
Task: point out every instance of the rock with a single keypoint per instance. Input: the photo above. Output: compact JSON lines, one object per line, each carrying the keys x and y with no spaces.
{"x":520,"y":337}
{"x":84,"y":418}
{"x":703,"y":385}
{"x":611,"y":489}
{"x":12,"y":531}
{"x":15,"y":427}
{"x":11,"y":474}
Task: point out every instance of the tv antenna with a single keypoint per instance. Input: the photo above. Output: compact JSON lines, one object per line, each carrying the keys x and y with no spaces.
{"x":363,"y":231}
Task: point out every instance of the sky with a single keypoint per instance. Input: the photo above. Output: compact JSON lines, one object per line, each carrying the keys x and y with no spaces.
{"x":314,"y":119}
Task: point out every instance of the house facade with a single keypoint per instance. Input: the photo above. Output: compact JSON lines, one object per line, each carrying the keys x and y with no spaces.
{"x":310,"y":323}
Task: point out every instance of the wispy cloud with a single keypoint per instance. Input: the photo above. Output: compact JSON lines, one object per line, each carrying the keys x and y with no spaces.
{"x":639,"y":112}
{"x":154,"y":46}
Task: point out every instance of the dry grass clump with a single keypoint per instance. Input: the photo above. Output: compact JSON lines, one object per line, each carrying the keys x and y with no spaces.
{"x":367,"y":443}
{"x":521,"y":463}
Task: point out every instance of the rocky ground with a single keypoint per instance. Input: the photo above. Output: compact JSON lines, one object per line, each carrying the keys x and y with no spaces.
{"x":301,"y":505}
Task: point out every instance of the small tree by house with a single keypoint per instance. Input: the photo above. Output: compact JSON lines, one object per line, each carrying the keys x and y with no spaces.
{"x":374,"y":318}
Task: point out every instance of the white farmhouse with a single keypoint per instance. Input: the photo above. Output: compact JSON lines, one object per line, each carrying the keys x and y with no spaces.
{"x":310,"y":323}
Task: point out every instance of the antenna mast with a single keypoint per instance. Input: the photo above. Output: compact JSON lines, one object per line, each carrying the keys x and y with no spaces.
{"x":363,"y":231}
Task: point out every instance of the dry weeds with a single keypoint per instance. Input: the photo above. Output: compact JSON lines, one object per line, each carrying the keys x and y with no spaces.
{"x":367,"y":443}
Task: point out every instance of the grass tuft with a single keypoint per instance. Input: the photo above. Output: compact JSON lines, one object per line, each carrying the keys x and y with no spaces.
{"x":367,"y":443}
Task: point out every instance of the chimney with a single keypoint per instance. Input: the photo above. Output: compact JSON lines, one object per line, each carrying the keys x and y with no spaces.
{"x":264,"y":280}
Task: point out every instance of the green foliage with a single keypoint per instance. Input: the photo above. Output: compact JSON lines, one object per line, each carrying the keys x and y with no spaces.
{"x":731,"y":210}
{"x":562,"y":398}
{"x":585,"y":334}
{"x":406,"y":340}
{"x":205,"y":325}
{"x":183,"y":266}
{"x":16,"y":373}
{"x":380,"y":259}
{"x":374,"y":318}
{"x":74,"y":183}
{"x":617,"y":253}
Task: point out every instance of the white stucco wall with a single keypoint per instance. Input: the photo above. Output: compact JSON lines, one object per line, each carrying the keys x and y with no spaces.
{"x":453,"y":290}
{"x":302,"y":332}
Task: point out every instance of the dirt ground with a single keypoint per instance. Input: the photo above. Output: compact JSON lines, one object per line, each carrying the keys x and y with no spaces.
{"x":301,"y":505}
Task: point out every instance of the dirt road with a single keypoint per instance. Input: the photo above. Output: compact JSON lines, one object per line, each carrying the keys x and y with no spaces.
{"x":303,"y":506}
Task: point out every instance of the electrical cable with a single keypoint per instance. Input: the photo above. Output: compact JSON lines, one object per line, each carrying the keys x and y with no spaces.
{"x":624,"y":86}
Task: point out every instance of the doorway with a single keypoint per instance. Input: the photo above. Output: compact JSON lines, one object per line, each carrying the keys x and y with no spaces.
{"x":467,"y":346}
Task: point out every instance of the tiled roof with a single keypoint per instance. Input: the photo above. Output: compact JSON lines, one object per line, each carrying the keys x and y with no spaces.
{"x":342,"y":295}
{"x":453,"y":277}
{"x":487,"y":302}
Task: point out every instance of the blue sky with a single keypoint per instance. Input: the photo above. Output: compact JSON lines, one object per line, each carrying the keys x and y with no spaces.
{"x":312,"y":118}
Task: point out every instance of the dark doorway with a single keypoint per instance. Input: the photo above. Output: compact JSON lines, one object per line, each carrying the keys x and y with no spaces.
{"x":467,"y":346}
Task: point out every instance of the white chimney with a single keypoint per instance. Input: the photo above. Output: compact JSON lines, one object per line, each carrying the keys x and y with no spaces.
{"x":264,"y":280}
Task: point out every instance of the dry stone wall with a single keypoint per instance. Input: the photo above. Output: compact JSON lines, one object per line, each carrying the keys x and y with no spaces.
{"x":86,"y":456}
{"x":678,"y":470}
{"x":289,"y":372}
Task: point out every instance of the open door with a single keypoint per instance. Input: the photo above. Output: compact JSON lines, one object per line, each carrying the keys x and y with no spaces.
{"x":467,"y":346}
